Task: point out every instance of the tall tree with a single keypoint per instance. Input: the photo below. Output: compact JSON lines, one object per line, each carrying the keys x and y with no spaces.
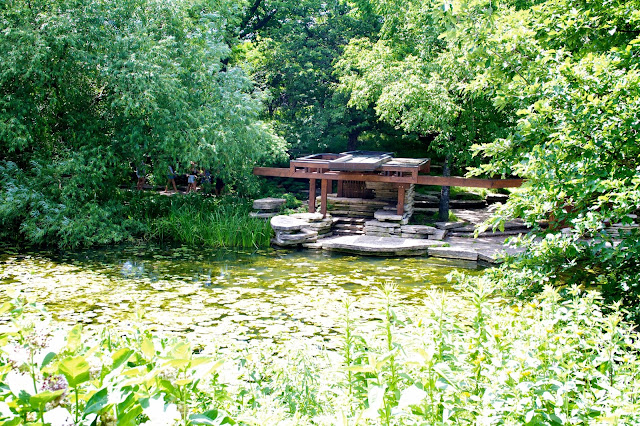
{"x":571,"y":68}
{"x":292,"y":59}
{"x":89,"y":86}
{"x":414,"y":81}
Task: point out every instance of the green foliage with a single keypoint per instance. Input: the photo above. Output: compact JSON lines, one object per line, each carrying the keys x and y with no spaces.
{"x":465,"y":358}
{"x":415,"y":82}
{"x":570,"y":69}
{"x":90,"y":89}
{"x":219,"y":223}
{"x":292,"y":59}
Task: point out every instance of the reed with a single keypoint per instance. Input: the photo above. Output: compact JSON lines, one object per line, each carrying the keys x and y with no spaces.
{"x":218,"y":224}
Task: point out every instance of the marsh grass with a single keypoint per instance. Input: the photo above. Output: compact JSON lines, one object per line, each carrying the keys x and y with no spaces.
{"x":217,"y":223}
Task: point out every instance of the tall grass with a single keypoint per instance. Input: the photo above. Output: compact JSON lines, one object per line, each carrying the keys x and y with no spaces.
{"x":214,"y":223}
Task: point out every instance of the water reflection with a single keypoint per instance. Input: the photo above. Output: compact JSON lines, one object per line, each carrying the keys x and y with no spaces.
{"x":210,"y":294}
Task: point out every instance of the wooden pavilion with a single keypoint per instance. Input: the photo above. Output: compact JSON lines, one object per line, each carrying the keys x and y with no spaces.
{"x":351,"y":170}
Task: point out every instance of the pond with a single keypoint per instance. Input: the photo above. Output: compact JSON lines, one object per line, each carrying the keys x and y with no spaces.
{"x":219,"y":296}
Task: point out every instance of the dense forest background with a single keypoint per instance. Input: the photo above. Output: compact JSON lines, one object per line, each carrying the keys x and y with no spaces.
{"x":546,"y":90}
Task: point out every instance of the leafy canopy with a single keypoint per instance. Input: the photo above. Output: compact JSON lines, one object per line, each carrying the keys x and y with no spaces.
{"x":90,"y":88}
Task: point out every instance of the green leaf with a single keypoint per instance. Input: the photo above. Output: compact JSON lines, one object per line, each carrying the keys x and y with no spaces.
{"x":148,"y":348}
{"x":38,"y":401}
{"x":75,"y":370}
{"x":129,"y":418}
{"x":97,"y":402}
{"x":120,"y":357}
{"x":74,"y":339}
{"x":212,"y":418}
{"x":47,"y":359}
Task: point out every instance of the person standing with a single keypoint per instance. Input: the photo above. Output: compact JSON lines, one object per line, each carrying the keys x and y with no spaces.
{"x":191,"y":179}
{"x":141,"y":175}
{"x":171,"y":179}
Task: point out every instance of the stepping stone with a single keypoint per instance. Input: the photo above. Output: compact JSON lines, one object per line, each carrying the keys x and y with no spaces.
{"x":378,"y":224}
{"x":304,"y":236}
{"x":287,"y":223}
{"x":378,"y":246}
{"x":309,"y":217}
{"x":453,"y":253}
{"x":439,"y":234}
{"x":415,"y":236}
{"x":272,"y":204}
{"x":384,"y":215}
{"x":418,"y":229}
{"x":450,"y":225}
{"x":260,"y":215}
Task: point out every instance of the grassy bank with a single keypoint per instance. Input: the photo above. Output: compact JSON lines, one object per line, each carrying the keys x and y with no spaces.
{"x":195,"y":219}
{"x":467,"y":358}
{"x":218,"y":223}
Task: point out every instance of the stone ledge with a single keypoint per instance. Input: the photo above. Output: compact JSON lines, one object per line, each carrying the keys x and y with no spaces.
{"x":378,"y":246}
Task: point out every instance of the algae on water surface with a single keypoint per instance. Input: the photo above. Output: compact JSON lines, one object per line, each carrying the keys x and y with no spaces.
{"x":217,"y":295}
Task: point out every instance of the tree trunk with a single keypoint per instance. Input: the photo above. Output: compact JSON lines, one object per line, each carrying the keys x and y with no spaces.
{"x":352,"y":143}
{"x":443,"y":213}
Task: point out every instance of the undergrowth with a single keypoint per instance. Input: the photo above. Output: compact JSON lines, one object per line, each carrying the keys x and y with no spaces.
{"x":466,"y":358}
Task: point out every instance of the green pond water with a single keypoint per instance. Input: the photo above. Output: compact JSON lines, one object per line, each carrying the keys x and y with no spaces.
{"x":218,"y":295}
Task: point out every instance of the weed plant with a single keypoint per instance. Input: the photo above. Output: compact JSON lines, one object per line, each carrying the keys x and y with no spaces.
{"x":466,"y":358}
{"x":213,"y":222}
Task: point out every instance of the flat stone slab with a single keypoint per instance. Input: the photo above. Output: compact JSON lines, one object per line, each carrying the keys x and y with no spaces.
{"x":287,"y":223}
{"x":379,"y":224}
{"x":378,"y":246}
{"x":450,"y":225}
{"x":268,"y":203}
{"x":309,"y":217}
{"x":418,"y":229}
{"x":486,"y":249}
{"x":384,"y":215}
{"x":453,"y":253}
{"x":261,"y":215}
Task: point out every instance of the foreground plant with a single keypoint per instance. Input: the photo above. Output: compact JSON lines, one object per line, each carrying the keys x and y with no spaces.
{"x":466,"y":358}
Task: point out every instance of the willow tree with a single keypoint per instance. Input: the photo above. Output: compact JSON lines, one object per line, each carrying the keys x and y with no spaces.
{"x":414,"y":81}
{"x":90,"y":87}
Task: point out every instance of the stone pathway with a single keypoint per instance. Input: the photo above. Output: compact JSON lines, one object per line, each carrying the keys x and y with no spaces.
{"x":378,"y":246}
{"x":481,"y":249}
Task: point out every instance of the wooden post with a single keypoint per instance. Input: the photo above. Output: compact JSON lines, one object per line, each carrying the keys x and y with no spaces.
{"x":400,"y":209}
{"x":312,"y":195}
{"x":324,"y":186}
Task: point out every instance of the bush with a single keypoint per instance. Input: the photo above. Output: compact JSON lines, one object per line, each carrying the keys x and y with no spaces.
{"x":467,"y":358}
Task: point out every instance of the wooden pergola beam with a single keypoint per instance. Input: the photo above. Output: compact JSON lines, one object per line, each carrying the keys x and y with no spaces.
{"x":418,"y":180}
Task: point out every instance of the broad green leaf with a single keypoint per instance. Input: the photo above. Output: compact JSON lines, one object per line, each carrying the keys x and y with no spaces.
{"x":148,"y":348}
{"x":181,"y":351}
{"x":75,"y":370}
{"x":120,"y":357}
{"x":47,"y":359}
{"x":39,"y":400}
{"x":97,"y":402}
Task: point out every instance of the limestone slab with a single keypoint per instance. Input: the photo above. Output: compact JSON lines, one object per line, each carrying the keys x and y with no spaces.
{"x":450,"y":225}
{"x":453,"y":253}
{"x":384,"y":215}
{"x":380,"y":224}
{"x":287,"y":223}
{"x":262,"y":215}
{"x":272,"y":204}
{"x":309,"y":217}
{"x":418,"y":229}
{"x":378,"y":246}
{"x":439,"y":234}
